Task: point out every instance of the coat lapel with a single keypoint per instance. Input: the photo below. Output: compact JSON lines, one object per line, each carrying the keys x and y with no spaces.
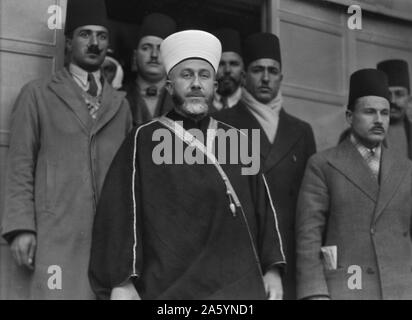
{"x":392,"y":173}
{"x":350,"y":163}
{"x":164,"y":103}
{"x":287,"y":136}
{"x":65,"y":88}
{"x":137,"y":104}
{"x":111,"y":101}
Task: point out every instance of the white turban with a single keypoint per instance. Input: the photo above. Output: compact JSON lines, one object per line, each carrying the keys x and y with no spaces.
{"x":117,"y":81}
{"x":188,"y":44}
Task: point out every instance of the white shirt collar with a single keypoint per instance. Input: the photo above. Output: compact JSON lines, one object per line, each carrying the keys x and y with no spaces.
{"x":81,"y":77}
{"x":363,"y":150}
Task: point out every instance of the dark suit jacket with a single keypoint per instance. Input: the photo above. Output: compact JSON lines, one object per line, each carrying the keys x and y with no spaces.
{"x":408,"y":131}
{"x":284,"y":163}
{"x":139,"y":108}
{"x":341,"y":205}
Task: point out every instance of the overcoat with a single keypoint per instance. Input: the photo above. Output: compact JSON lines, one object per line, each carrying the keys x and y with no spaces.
{"x":139,"y":108}
{"x":341,"y":204}
{"x":283,"y":163}
{"x":57,"y":161}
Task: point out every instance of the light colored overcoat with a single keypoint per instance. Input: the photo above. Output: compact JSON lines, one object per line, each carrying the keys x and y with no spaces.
{"x":57,"y":161}
{"x":341,"y":204}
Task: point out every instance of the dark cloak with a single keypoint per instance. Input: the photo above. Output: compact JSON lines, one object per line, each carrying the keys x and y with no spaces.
{"x":177,"y":237}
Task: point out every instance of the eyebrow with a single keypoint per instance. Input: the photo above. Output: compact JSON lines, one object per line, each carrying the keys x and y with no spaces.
{"x":197,"y":70}
{"x":91,"y":31}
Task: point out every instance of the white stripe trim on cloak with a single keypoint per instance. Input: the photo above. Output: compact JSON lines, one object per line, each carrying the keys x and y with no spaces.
{"x":134,"y":198}
{"x":230,"y":126}
{"x":274,"y":214}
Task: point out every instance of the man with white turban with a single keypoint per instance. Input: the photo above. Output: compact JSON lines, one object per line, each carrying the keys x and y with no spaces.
{"x":177,"y":229}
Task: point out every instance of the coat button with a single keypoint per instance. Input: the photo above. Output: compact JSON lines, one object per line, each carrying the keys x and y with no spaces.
{"x":370,"y":271}
{"x":373,"y":231}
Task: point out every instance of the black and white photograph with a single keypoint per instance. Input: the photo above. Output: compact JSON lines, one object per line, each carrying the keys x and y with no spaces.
{"x":190,"y":150}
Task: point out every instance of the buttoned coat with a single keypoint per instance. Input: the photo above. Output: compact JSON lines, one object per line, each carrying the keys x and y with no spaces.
{"x":283,"y":163}
{"x":57,"y":161}
{"x":341,"y":204}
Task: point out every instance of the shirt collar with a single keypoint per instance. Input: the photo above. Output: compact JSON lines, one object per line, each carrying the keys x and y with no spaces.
{"x":363,"y":150}
{"x":82,"y":75}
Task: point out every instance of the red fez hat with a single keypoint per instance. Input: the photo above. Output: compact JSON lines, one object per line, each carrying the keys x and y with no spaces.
{"x":82,"y":13}
{"x":367,"y":82}
{"x":262,"y":45}
{"x":230,"y":40}
{"x":397,"y":72}
{"x":158,"y":25}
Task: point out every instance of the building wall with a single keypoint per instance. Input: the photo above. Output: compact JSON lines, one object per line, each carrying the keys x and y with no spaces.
{"x":320,"y":52}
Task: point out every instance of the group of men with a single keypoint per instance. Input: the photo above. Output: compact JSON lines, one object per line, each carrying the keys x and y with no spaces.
{"x":84,"y":192}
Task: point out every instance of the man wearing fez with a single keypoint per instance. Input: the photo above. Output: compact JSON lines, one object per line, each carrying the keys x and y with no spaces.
{"x":399,"y":136}
{"x":65,"y":131}
{"x":179,"y":230}
{"x":146,"y":94}
{"x":355,"y":206}
{"x":230,"y":74}
{"x":286,"y":142}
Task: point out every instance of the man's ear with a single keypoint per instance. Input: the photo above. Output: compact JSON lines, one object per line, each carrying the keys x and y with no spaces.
{"x":69,"y":44}
{"x":349,"y":116}
{"x":169,"y":86}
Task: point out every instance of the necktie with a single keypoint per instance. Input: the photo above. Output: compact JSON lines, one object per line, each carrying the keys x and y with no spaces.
{"x":92,"y":85}
{"x":373,"y":163}
{"x":224,"y":102}
{"x":151,"y":91}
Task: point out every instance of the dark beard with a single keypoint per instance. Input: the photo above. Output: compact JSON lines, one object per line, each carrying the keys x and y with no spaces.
{"x":227,"y":86}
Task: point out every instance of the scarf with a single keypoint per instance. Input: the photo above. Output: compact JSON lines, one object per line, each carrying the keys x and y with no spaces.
{"x":266,"y":114}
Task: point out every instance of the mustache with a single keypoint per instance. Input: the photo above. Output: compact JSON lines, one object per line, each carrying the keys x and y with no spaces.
{"x":154,"y":60}
{"x":378,"y":127}
{"x":195,"y":93}
{"x":227,"y":77}
{"x":394,"y":106}
{"x":94,"y":50}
